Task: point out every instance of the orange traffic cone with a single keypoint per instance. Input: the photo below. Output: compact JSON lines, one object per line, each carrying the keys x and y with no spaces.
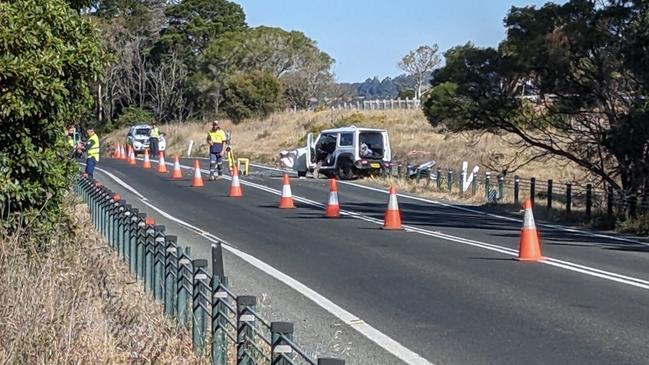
{"x":333,"y":208}
{"x":235,"y":188}
{"x":162,"y":166}
{"x":122,"y":152}
{"x":147,"y":161}
{"x":530,"y":246}
{"x":197,"y":182}
{"x":116,"y":152}
{"x":177,"y":173}
{"x":286,"y":202}
{"x":149,"y":221}
{"x":392,"y":219}
{"x":131,"y":157}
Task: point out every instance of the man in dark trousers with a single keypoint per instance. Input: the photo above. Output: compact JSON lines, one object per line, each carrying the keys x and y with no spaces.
{"x":154,"y":137}
{"x":216,"y":139}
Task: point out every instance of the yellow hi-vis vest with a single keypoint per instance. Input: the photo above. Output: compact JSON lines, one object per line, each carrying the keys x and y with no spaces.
{"x":93,"y":151}
{"x":217,"y":136}
{"x":155,"y":133}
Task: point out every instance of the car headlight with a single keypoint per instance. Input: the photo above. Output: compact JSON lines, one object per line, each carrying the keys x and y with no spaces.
{"x":137,"y":144}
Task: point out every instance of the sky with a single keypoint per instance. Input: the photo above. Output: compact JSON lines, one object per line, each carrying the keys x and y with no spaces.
{"x":367,"y":38}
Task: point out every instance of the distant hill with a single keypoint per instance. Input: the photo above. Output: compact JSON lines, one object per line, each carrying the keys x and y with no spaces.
{"x":375,"y":88}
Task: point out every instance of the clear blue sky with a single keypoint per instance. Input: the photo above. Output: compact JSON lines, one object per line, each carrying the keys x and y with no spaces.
{"x":368,"y":37}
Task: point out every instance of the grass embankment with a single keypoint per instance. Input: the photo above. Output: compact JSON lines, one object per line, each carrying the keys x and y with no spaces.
{"x":413,"y":140}
{"x":67,"y":298}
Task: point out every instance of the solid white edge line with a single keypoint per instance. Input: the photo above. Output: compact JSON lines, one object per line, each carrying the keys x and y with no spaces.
{"x":378,"y":337}
{"x":453,"y":206}
{"x":619,"y":278}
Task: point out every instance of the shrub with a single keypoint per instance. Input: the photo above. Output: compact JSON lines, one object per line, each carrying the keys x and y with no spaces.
{"x":252,"y":94}
{"x":48,"y":55}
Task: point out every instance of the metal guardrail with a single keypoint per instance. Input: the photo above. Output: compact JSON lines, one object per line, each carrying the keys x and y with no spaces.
{"x":506,"y":189}
{"x":223,"y":325}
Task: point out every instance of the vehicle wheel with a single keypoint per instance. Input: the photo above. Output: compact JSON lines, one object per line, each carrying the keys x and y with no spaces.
{"x":344,"y":170}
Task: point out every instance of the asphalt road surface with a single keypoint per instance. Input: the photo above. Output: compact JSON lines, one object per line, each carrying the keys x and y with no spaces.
{"x":447,"y":287}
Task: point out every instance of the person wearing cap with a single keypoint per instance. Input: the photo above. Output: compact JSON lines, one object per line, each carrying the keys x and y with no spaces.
{"x":216,"y":140}
{"x":92,"y":151}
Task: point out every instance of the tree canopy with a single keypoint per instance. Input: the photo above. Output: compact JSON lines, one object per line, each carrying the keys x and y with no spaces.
{"x":586,"y":62}
{"x":49,"y":56}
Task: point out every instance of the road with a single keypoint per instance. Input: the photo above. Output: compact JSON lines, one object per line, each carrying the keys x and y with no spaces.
{"x":447,"y":288}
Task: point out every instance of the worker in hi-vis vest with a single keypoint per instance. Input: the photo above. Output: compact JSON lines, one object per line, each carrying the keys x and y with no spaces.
{"x":92,"y":151}
{"x":216,"y":140}
{"x":154,"y":138}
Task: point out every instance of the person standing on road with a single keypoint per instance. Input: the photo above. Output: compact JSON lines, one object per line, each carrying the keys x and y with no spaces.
{"x":216,"y":140}
{"x":92,"y":151}
{"x":154,"y":138}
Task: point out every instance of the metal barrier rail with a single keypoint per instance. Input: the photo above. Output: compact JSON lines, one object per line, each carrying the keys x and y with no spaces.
{"x":498,"y":188}
{"x":202,"y":302}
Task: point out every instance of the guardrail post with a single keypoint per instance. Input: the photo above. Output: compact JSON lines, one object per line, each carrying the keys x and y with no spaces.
{"x":589,"y":200}
{"x":474,"y":184}
{"x":200,"y":303}
{"x":280,"y":349}
{"x":487,"y":185}
{"x":449,"y":183}
{"x":549,"y":207}
{"x":158,"y":262}
{"x":131,"y":228}
{"x":125,"y":222}
{"x":568,"y":198}
{"x":140,"y":240}
{"x":532,"y":189}
{"x":245,"y":321}
{"x":609,"y":201}
{"x":171,"y":269}
{"x":116,"y":226}
{"x":219,"y":320}
{"x":330,"y":361}
{"x":184,"y":286}
{"x":517,"y":189}
{"x":501,"y":186}
{"x":132,"y":241}
{"x":148,"y":259}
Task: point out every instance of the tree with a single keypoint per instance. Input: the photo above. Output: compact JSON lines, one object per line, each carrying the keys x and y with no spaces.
{"x":294,"y":58}
{"x":588,"y":62}
{"x":251,"y":94}
{"x":48,"y":57}
{"x":193,"y":24}
{"x":420,"y":63}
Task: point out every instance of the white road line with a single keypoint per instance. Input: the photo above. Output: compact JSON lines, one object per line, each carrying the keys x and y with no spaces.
{"x":378,"y":337}
{"x":567,"y":265}
{"x":474,"y":211}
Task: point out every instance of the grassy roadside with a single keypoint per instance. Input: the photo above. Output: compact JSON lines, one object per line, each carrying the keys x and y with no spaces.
{"x":67,"y":298}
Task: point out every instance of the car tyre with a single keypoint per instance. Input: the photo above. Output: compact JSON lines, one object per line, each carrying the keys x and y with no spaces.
{"x":345,"y":170}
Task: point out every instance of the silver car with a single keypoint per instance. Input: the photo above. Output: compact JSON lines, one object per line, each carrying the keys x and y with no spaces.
{"x":138,"y":138}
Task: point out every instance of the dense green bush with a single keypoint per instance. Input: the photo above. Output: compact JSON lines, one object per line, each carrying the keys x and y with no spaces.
{"x":48,"y":55}
{"x":133,"y":115}
{"x":251,"y":94}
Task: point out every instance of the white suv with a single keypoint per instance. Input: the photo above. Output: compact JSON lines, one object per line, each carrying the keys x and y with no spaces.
{"x":138,"y":138}
{"x":344,"y":153}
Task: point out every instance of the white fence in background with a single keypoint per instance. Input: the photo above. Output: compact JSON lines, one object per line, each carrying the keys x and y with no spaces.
{"x":384,"y":104}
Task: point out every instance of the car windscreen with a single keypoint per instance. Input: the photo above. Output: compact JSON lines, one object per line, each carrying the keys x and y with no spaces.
{"x":141,"y":131}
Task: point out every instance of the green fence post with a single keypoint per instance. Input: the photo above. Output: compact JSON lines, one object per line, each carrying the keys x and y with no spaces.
{"x":132,"y":241}
{"x":149,"y":243}
{"x":439,"y":179}
{"x":124,"y":223}
{"x":219,"y":320}
{"x":245,"y":328}
{"x":184,"y":286}
{"x":170,"y":274}
{"x":200,"y":303}
{"x":449,"y":181}
{"x":140,"y":241}
{"x":158,"y":263}
{"x":280,"y":349}
{"x":474,"y":184}
{"x":517,"y":189}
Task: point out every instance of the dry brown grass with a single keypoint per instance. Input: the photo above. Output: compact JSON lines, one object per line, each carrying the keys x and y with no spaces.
{"x":413,"y":140}
{"x":73,"y":301}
